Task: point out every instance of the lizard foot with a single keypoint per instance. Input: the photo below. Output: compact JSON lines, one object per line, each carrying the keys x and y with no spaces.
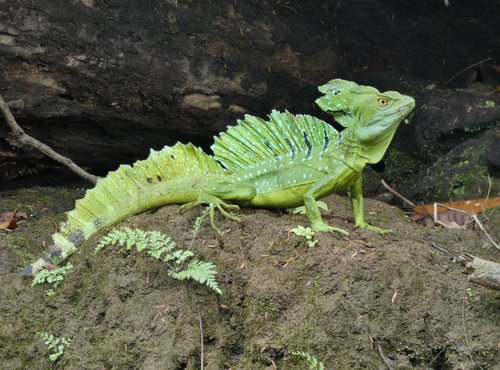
{"x":322,"y":227}
{"x":220,"y":206}
{"x":213,"y":203}
{"x":375,"y":229}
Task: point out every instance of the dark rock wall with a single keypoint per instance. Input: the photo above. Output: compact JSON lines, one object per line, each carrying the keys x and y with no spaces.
{"x":424,"y":39}
{"x":105,"y":81}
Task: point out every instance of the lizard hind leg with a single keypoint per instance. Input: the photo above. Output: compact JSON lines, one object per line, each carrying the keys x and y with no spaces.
{"x":215,"y":195}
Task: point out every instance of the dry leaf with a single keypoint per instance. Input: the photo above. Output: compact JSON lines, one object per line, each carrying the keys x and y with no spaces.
{"x":451,"y":218}
{"x":9,"y":219}
{"x":473,"y":205}
{"x":455,"y":215}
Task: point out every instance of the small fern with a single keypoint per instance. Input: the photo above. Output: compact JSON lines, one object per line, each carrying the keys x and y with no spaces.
{"x":54,"y":277}
{"x":307,"y":233}
{"x":199,"y":220}
{"x":163,"y":248}
{"x":314,"y":363}
{"x":56,"y":344}
{"x":202,"y":272}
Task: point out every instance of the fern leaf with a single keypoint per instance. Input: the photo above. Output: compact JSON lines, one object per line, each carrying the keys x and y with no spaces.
{"x":314,"y":363}
{"x":179,"y":256}
{"x":160,"y":246}
{"x":202,"y":272}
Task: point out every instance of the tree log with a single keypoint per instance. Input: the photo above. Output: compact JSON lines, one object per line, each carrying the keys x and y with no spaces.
{"x":482,"y":272}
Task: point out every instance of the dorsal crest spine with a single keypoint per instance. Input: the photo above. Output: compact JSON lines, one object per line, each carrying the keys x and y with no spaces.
{"x":255,"y":140}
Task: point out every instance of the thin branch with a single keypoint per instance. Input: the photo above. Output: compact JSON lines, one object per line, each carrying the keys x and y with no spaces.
{"x":489,"y":191}
{"x":440,"y":248}
{"x":387,"y":361}
{"x":465,"y":331}
{"x":24,"y":139}
{"x":435,"y":357}
{"x":291,"y":259}
{"x":201,"y":338}
{"x":481,"y":271}
{"x":495,"y":244}
{"x":397,"y":194}
{"x":465,"y":69}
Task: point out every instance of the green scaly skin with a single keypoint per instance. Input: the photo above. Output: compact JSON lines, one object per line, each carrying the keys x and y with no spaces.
{"x":287,"y":161}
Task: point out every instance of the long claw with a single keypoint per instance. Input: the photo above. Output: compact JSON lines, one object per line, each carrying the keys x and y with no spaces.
{"x":227,"y":214}
{"x":322,"y":227}
{"x":234,"y":207}
{"x":212,"y":220}
{"x":375,"y":229}
{"x":214,"y":202}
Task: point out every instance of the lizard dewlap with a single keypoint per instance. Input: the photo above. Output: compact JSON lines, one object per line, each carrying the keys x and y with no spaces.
{"x":285,"y":161}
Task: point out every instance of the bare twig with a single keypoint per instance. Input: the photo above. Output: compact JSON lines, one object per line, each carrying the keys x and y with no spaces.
{"x":480,"y":271}
{"x":363,"y":243}
{"x":24,"y":139}
{"x":273,"y":364}
{"x":201,"y":338}
{"x":495,"y":244}
{"x":488,"y":193}
{"x":435,"y":357}
{"x":440,"y":248}
{"x":291,"y":259}
{"x":387,"y":361}
{"x":465,"y":330}
{"x":397,"y":194}
{"x":465,"y":69}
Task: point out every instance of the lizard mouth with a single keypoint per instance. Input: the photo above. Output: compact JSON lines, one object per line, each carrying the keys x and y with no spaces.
{"x":403,"y":111}
{"x":408,"y":117}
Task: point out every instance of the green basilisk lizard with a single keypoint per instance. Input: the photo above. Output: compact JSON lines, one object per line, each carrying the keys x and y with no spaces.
{"x":287,"y":161}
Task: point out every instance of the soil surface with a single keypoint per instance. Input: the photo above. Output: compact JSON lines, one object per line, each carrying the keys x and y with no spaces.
{"x":364,"y":302}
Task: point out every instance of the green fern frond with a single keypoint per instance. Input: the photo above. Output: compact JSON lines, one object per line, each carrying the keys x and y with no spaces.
{"x":179,"y":256}
{"x":54,"y":277}
{"x":202,"y":272}
{"x":162,"y":247}
{"x":156,"y":242}
{"x":57,"y":345}
{"x":314,"y":363}
{"x":199,"y":220}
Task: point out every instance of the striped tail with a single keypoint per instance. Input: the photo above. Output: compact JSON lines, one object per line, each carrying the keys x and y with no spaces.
{"x":168,"y":176}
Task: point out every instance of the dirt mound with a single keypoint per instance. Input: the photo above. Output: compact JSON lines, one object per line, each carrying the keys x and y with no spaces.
{"x":353,"y":303}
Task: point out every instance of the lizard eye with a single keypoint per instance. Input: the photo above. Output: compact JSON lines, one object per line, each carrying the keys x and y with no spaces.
{"x":383,"y":102}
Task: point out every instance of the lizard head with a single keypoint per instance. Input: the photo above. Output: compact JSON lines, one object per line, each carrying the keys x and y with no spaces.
{"x":370,"y":117}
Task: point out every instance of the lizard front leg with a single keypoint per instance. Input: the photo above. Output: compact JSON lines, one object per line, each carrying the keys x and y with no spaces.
{"x":321,"y":187}
{"x":358,"y":207}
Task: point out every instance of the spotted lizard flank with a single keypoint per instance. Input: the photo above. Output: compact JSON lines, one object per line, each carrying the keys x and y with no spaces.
{"x":287,"y":161}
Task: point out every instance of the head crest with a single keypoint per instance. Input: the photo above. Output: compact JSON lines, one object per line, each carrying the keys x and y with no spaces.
{"x":338,"y":99}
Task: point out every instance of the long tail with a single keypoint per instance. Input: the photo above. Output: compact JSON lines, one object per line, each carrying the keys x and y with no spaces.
{"x":168,"y":176}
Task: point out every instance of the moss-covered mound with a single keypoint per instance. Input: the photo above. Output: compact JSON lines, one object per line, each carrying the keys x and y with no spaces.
{"x":353,"y":303}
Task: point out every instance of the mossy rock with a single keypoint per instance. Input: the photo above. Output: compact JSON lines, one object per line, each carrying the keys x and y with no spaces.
{"x":464,"y":172}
